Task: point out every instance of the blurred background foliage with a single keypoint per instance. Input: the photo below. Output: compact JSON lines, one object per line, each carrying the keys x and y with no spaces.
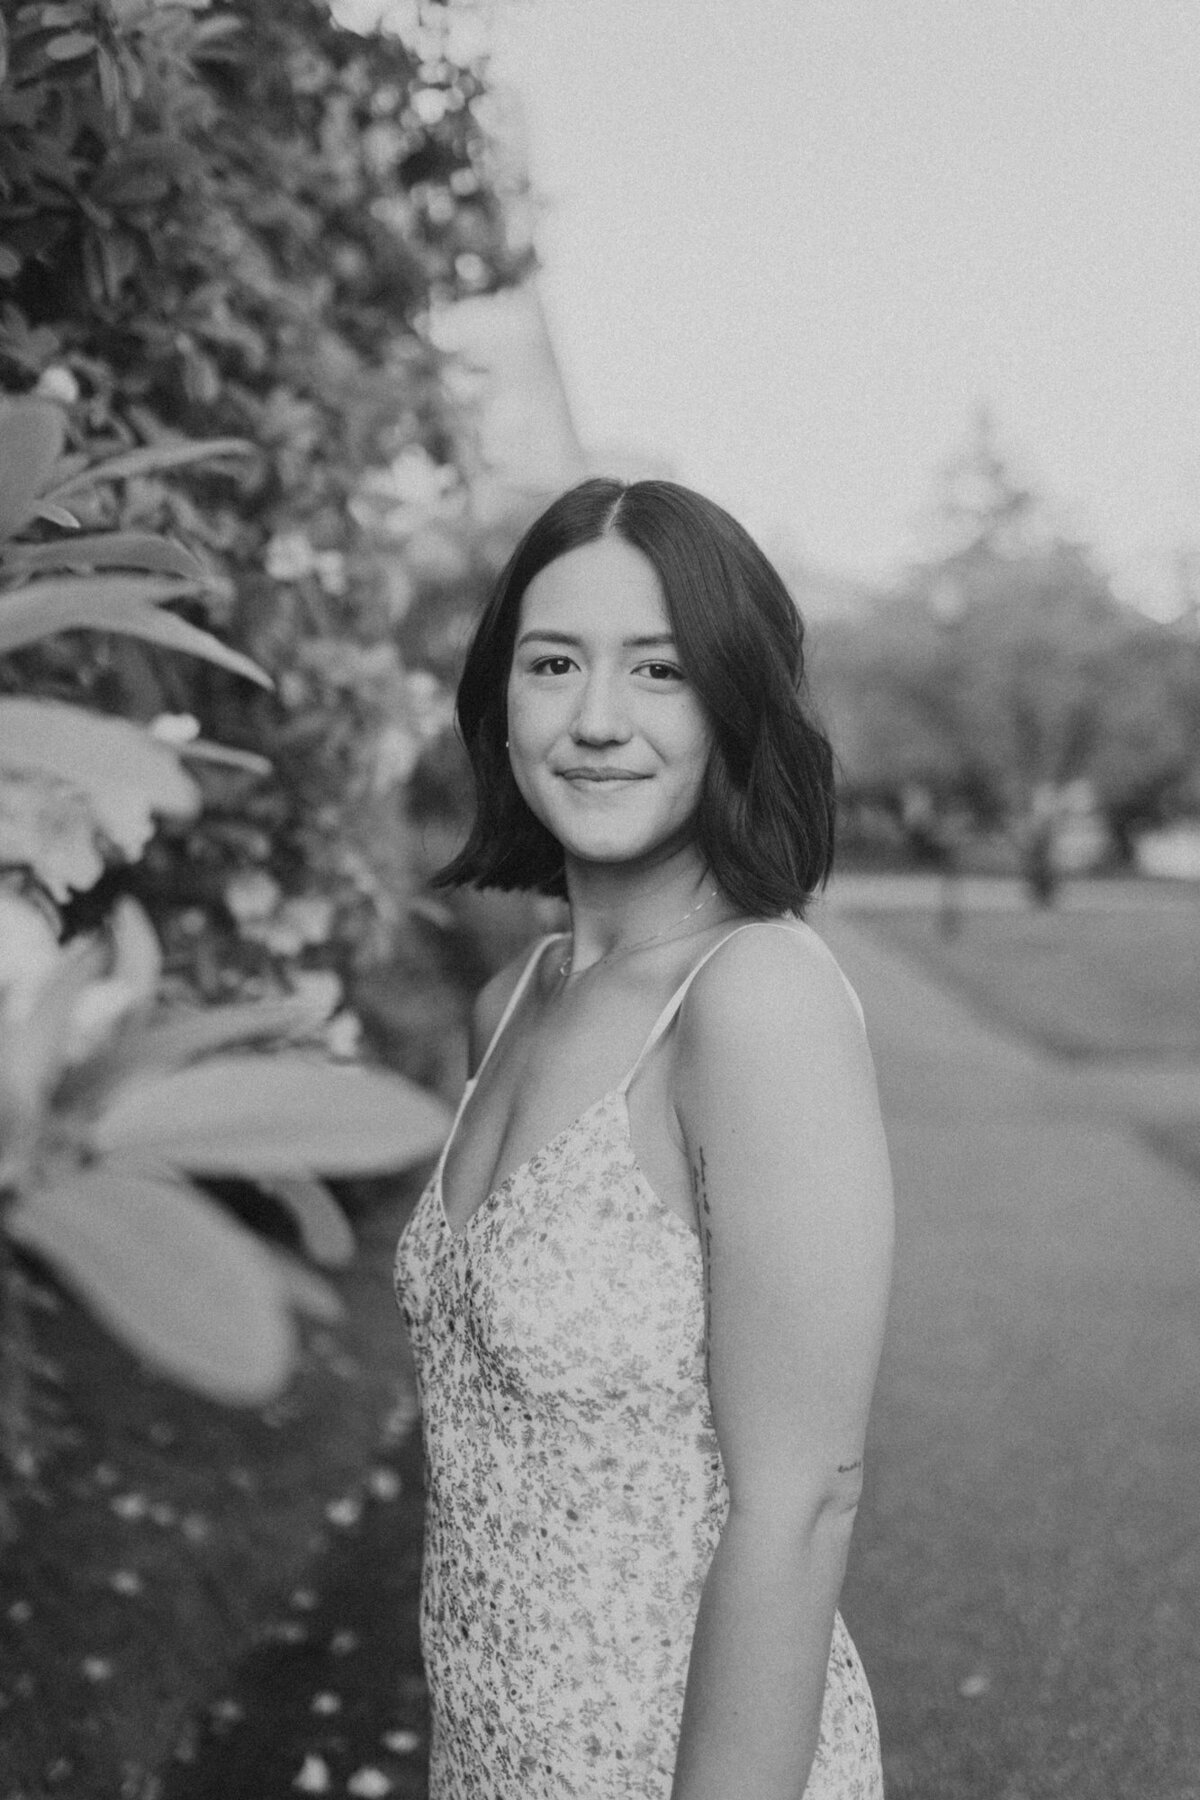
{"x":1000,"y":707}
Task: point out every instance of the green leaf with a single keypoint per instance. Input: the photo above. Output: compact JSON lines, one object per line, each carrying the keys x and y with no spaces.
{"x":324,"y":1228}
{"x":152,"y":460}
{"x":225,"y":756}
{"x":61,"y":17}
{"x":57,"y":515}
{"x":184,"y":1037}
{"x":168,"y":1272}
{"x":122,"y":604}
{"x":307,"y":1292}
{"x":146,"y":590}
{"x":286,"y":1114}
{"x":126,"y":775}
{"x":144,"y":551}
{"x":69,"y":46}
{"x":31,"y":439}
{"x":137,"y":954}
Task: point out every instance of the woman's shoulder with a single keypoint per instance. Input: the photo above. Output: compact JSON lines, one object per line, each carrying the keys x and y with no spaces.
{"x":768,"y":981}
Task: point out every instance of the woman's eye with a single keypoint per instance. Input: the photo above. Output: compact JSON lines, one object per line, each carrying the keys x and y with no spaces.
{"x":661,"y":671}
{"x":551,"y":665}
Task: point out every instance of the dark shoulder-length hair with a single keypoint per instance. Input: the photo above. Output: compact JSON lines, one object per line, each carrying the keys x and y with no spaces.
{"x":765,"y":821}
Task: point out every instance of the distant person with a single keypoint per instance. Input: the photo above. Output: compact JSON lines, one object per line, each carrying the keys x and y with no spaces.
{"x":646,"y":1285}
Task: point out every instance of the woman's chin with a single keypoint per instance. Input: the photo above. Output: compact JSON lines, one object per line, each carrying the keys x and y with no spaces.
{"x":615,"y":850}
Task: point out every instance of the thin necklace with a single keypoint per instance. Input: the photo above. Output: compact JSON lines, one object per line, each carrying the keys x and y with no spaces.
{"x":627,"y":949}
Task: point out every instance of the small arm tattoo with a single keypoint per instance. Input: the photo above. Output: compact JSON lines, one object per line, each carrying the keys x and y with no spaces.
{"x":849,"y":1468}
{"x":704,"y":1219}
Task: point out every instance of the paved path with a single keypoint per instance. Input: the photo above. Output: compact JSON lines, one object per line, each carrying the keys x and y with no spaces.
{"x":1025,"y":1587}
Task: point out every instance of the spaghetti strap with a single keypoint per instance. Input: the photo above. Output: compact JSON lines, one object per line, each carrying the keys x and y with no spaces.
{"x":514,"y":998}
{"x":674,"y":1003}
{"x":666,"y":1016}
{"x":511,"y":1006}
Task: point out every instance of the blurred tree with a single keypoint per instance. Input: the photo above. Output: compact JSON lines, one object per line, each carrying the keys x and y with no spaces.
{"x":1003,"y":675}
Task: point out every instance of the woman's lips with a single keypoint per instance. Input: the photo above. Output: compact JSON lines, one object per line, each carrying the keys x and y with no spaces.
{"x":602,"y":775}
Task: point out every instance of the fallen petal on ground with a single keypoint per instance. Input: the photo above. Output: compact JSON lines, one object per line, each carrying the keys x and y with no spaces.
{"x":313,"y":1777}
{"x":402,"y":1743}
{"x":368,"y":1784}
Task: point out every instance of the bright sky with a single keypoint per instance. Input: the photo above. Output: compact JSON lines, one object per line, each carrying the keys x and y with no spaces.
{"x":791,"y":245}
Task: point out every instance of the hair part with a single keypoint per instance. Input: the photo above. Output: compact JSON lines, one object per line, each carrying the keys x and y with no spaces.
{"x":765,"y":819}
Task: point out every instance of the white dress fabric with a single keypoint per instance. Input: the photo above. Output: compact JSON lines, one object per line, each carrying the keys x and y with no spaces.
{"x":575,"y":1491}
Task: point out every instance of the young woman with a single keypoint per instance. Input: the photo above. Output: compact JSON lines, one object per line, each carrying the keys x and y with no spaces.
{"x":646,"y":1285}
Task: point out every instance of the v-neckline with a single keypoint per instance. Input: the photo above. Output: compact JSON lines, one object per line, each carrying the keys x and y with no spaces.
{"x":457,"y":1238}
{"x":620,"y":1091}
{"x":457,"y":1234}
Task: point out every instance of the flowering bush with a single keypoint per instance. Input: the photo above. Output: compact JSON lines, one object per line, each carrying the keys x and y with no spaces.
{"x":232,"y":220}
{"x":221,"y":226}
{"x":108,"y":1097}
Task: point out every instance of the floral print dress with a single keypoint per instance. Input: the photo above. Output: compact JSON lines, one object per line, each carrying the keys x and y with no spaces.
{"x":575,"y":1491}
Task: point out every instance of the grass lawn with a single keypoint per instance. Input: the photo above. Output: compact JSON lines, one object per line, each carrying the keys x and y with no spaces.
{"x":1095,"y":986}
{"x":1080,"y":983}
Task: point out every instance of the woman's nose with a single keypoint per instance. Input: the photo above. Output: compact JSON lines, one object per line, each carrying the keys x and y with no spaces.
{"x":601,"y":716}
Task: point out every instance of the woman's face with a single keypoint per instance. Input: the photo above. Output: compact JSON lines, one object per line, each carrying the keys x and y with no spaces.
{"x":608,"y":742}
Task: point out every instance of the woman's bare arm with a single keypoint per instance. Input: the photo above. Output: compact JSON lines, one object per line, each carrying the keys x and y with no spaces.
{"x":776,"y":1099}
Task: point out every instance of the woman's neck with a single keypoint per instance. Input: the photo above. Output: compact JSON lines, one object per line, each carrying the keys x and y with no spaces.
{"x":615,"y":910}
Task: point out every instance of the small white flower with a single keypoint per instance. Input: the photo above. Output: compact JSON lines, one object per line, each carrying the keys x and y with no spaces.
{"x":430,"y":705}
{"x":322,"y":988}
{"x":20,"y":1612}
{"x":429,"y":104}
{"x":342,"y":1643}
{"x":251,"y":895}
{"x":290,"y":556}
{"x":130,"y":1506}
{"x":415,"y":478}
{"x":57,"y":383}
{"x":971,"y":1687}
{"x":97,"y":1668}
{"x":175,"y":728}
{"x":326,"y":1704}
{"x":304,"y":1600}
{"x":396,"y":753}
{"x":125,"y":1581}
{"x":343,"y":1035}
{"x":331,"y":572}
{"x":227,"y":1712}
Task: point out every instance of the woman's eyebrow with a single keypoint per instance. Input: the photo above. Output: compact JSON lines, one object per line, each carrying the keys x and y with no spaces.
{"x":653,"y":641}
